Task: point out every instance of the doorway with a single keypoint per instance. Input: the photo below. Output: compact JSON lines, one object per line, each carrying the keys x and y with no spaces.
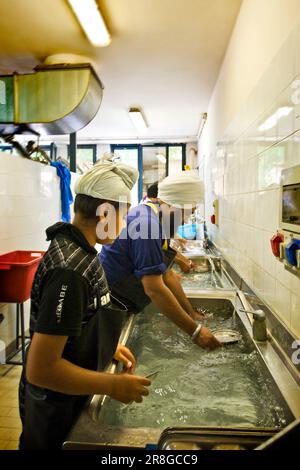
{"x":154,"y":162}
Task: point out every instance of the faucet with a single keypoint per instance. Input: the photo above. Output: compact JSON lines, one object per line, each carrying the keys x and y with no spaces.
{"x":259,"y":327}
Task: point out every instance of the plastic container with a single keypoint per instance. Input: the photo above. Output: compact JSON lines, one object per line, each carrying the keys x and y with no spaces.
{"x":291,"y":250}
{"x":275,"y":244}
{"x":187,"y":231}
{"x":17,"y":270}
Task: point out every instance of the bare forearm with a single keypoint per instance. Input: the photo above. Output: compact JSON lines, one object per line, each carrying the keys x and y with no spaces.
{"x":171,"y":308}
{"x":65,"y":377}
{"x":175,"y":287}
{"x":180,"y":257}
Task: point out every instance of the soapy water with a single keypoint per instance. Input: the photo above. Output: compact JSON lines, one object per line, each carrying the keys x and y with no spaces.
{"x":203,"y":280}
{"x":227,"y":387}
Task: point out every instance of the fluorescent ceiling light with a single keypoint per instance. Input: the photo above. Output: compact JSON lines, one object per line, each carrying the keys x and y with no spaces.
{"x":92,"y":23}
{"x":137,"y":119}
{"x":161,"y":158}
{"x":273,"y":120}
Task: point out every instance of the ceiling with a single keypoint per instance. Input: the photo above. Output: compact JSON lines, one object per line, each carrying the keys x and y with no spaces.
{"x":165,"y":56}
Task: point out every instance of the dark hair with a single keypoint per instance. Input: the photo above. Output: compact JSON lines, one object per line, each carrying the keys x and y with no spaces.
{"x":152,"y":191}
{"x":87,"y":205}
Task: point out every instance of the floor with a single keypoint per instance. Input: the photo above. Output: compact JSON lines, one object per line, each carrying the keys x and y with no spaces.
{"x":10,"y":424}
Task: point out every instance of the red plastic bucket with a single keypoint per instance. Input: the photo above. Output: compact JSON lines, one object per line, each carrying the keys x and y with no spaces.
{"x":17,"y":270}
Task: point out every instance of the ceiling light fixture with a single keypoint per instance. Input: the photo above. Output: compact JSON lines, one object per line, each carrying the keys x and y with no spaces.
{"x":90,"y":18}
{"x":137,"y":119}
{"x":273,"y":120}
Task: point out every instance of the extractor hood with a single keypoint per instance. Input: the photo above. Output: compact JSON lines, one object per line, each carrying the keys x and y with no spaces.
{"x":54,"y":99}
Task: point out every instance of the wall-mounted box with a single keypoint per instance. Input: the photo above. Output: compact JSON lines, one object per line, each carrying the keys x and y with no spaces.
{"x":291,"y":261}
{"x":290,"y":200}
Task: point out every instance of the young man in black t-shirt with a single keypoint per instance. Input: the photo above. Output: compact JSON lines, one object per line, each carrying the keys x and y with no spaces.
{"x":74,"y":326}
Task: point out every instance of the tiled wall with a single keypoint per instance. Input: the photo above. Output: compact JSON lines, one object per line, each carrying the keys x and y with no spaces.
{"x":29,"y":203}
{"x":242,"y":168}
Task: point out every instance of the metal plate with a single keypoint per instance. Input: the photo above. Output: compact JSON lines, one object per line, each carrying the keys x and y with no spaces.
{"x":227,"y":336}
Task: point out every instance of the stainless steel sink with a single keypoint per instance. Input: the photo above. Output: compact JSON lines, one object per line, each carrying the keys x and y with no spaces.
{"x":206,"y":263}
{"x":91,"y":431}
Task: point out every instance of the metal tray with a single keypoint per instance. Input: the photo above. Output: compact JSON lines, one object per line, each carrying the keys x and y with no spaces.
{"x":227,"y":336}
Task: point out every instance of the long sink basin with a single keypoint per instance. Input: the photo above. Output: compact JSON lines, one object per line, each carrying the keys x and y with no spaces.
{"x":209,"y":274}
{"x":243,"y":386}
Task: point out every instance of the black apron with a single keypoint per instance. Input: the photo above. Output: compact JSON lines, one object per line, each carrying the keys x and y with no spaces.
{"x":48,"y":416}
{"x":131,"y":291}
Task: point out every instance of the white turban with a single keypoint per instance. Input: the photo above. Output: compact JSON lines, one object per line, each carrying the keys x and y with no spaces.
{"x":183,"y":188}
{"x":108,"y":181}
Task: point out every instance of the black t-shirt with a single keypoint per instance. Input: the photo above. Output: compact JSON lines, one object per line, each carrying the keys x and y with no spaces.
{"x":70,"y":297}
{"x":63,"y":303}
{"x":69,"y":286}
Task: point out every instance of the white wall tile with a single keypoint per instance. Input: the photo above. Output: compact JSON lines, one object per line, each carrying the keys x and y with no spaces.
{"x":29,"y":203}
{"x":295,"y":314}
{"x":248,"y":174}
{"x":283,"y":303}
{"x":269,"y":294}
{"x":270,"y":164}
{"x":267,"y":210}
{"x":283,"y":276}
{"x":258,"y":279}
{"x":253,"y":164}
{"x":257,"y":254}
{"x":286,"y":124}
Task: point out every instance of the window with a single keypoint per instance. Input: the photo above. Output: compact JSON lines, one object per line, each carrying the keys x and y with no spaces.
{"x":175,"y":159}
{"x":130,"y":156}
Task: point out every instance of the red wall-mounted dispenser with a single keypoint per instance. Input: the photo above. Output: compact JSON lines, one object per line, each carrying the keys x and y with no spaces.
{"x":275,"y":243}
{"x":214,"y":218}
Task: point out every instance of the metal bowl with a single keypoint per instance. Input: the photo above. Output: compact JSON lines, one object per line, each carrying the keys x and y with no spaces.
{"x":227,"y":336}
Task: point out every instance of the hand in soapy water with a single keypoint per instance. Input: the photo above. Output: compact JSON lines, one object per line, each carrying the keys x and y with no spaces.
{"x":197,"y":315}
{"x":186,"y":265}
{"x":207,"y":340}
{"x":129,"y":388}
{"x":125,"y":356}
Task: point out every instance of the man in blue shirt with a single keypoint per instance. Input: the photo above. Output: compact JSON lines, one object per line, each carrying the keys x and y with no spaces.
{"x":186,"y":265}
{"x":138,"y":263}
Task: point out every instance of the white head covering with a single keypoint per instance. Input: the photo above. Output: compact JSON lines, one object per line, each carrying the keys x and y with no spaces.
{"x":182,"y":188}
{"x":108,"y":180}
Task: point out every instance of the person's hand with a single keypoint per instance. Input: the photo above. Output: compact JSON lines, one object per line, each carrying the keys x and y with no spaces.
{"x":206,"y":339}
{"x":197,"y":315}
{"x":193,"y":265}
{"x":125,"y":356}
{"x":182,"y":241}
{"x":128,"y":388}
{"x":186,"y":265}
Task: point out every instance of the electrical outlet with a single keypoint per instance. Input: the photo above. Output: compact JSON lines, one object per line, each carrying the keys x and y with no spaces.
{"x":288,"y":237}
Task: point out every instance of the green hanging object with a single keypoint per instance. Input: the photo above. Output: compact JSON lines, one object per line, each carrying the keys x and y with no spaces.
{"x":54,"y":99}
{"x":6,"y":99}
